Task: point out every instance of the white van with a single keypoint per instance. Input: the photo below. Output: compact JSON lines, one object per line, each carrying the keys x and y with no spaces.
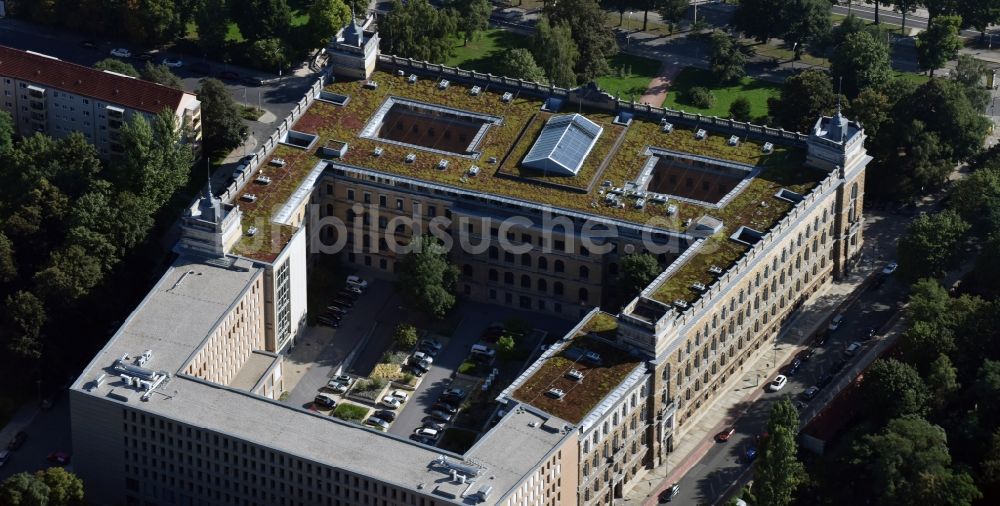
{"x":486,"y":351}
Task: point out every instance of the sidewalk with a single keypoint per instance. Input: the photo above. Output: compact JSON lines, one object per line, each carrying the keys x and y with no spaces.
{"x":695,"y":439}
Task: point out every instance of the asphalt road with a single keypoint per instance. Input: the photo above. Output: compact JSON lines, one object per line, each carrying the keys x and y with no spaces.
{"x":889,"y":16}
{"x":277,"y":98}
{"x":48,"y":432}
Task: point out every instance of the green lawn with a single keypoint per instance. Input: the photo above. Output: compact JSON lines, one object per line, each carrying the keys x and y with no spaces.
{"x":481,"y":54}
{"x":630,"y":75}
{"x":755,"y":90}
{"x":299,"y":18}
{"x":914,"y":77}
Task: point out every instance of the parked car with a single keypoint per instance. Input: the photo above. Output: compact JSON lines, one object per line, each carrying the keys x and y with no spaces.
{"x":869,"y":334}
{"x":336,"y":386}
{"x":172,"y":63}
{"x":120,"y":52}
{"x":793,"y":367}
{"x":431,"y":424}
{"x":724,"y":436}
{"x":440,"y":415}
{"x":750,"y":454}
{"x":348,"y":295}
{"x":89,"y":44}
{"x":4,"y":457}
{"x":669,"y":494}
{"x":493,"y":332}
{"x":422,"y":439}
{"x":325,"y":401}
{"x":447,"y":408}
{"x":385,"y":414}
{"x":821,"y":338}
{"x":450,"y":399}
{"x":357,"y":282}
{"x":353,"y":289}
{"x":456,"y":392}
{"x":806,"y":354}
{"x":890,"y":268}
{"x":60,"y":458}
{"x":147,"y":55}
{"x":377,"y":422}
{"x":391,"y":402}
{"x":824,"y":381}
{"x":837,"y":366}
{"x":852,"y":349}
{"x":414,"y":370}
{"x":422,"y":365}
{"x":344,"y":303}
{"x":328,"y":322}
{"x":335,"y":309}
{"x":835,"y":322}
{"x":431,"y":343}
{"x":252,"y":81}
{"x":423,"y":357}
{"x":810,"y":392}
{"x":778,"y":383}
{"x":427,"y":432}
{"x":345,"y":379}
{"x":399,"y":394}
{"x":17,"y":441}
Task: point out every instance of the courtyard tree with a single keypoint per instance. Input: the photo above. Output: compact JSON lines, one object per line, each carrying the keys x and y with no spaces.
{"x":892,"y":389}
{"x":740,"y":110}
{"x":116,"y":65}
{"x":805,"y":97}
{"x":426,"y":278}
{"x":942,"y":380}
{"x":326,"y":18}
{"x":222,"y":123}
{"x":861,"y":63}
{"x":594,"y":40}
{"x":8,"y":266}
{"x":760,"y":19}
{"x":871,"y":108}
{"x":727,"y":60}
{"x":930,"y":244}
{"x":151,"y":22}
{"x":6,"y":131}
{"x":518,"y":63}
{"x":405,"y":336}
{"x":53,"y":486}
{"x":506,"y":346}
{"x":939,"y":43}
{"x":638,"y":270}
{"x":473,"y":17}
{"x":803,"y":22}
{"x":556,"y":52}
{"x":418,"y":30}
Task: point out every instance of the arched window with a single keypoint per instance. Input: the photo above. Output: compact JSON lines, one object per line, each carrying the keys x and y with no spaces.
{"x":559,"y":266}
{"x":525,"y":281}
{"x":329,"y":210}
{"x":526,"y":259}
{"x":557,"y":288}
{"x":542,"y":285}
{"x":543,"y":263}
{"x":494,"y":252}
{"x":493,"y":275}
{"x":583,"y":295}
{"x":854,"y":191}
{"x":584,"y":272}
{"x":467,"y":270}
{"x":508,"y":278}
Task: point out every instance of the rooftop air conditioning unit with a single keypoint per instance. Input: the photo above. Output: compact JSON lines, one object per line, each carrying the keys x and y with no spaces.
{"x":556,"y":393}
{"x":715,"y":269}
{"x":574,"y":375}
{"x":681,"y":304}
{"x":700,"y":134}
{"x":410,"y":158}
{"x":734,"y":141}
{"x":378,"y":151}
{"x":474,"y":171}
{"x":671,"y":209}
{"x":371,"y":84}
{"x":263,"y":180}
{"x":698,"y":287}
{"x":667,"y":127}
{"x":412,"y":79}
{"x":279,"y":162}
{"x":444,"y":84}
{"x":640,"y":203}
{"x":252,"y":231}
{"x":507,"y":97}
{"x":475,"y":91}
{"x":768,"y":148}
{"x":249,"y":197}
{"x":443,"y":164}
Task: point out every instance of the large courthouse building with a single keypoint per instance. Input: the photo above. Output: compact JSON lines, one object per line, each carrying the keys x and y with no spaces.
{"x":541,"y":191}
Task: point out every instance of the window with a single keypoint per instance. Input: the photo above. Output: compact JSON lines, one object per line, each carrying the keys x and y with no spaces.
{"x":542,"y":285}
{"x":584,"y":272}
{"x":559,"y":266}
{"x":329,"y":210}
{"x":432,"y":211}
{"x":525,"y":281}
{"x":508,"y":257}
{"x":557,"y":288}
{"x":494,"y":252}
{"x":399,"y":204}
{"x":493,"y":275}
{"x":508,"y":278}
{"x":560,"y":246}
{"x":526,"y":259}
{"x":368,"y":198}
{"x":543,"y":263}
{"x":382,"y":199}
{"x":583,"y":295}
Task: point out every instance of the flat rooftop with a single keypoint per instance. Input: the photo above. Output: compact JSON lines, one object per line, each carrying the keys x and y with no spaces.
{"x":203,"y":294}
{"x":619,"y":156}
{"x":553,"y":369}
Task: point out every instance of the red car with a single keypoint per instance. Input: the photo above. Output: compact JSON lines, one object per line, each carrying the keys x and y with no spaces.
{"x":59,"y":457}
{"x":724,"y":436}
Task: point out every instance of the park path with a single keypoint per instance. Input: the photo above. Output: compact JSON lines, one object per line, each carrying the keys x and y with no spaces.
{"x":656,"y":93}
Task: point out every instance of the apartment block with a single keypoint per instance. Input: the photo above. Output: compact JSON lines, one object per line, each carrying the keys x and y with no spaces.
{"x":45,"y":94}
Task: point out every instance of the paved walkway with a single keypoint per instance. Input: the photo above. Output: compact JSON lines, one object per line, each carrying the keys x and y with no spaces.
{"x":743,"y":389}
{"x":656,"y":93}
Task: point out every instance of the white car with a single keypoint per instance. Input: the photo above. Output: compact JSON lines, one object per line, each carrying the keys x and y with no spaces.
{"x":835,"y":322}
{"x":391,"y":402}
{"x":430,"y":344}
{"x":423,"y":357}
{"x":356,"y":281}
{"x":399,"y":394}
{"x":778,"y":383}
{"x":173,"y":63}
{"x":427,"y":431}
{"x":852,"y":349}
{"x":890,"y":268}
{"x":121,"y":52}
{"x":336,"y":386}
{"x":377,"y":422}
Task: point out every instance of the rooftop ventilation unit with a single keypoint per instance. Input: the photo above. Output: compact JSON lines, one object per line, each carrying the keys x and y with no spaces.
{"x":715,"y":269}
{"x":378,"y":151}
{"x":671,"y":209}
{"x":278,"y":162}
{"x":555,"y":393}
{"x":400,"y":73}
{"x":768,"y":148}
{"x":574,"y":375}
{"x":681,"y":304}
{"x":370,"y":84}
{"x":734,"y":141}
{"x":667,"y":127}
{"x":475,"y":91}
{"x":507,"y":97}
{"x":465,"y":469}
{"x":700,"y":134}
{"x":474,"y":171}
{"x":263,"y":180}
{"x":608,"y":183}
{"x":640,"y":203}
{"x":699,"y":287}
{"x":444,"y":84}
{"x":410,"y":158}
{"x":491,"y":159}
{"x":442,"y":164}
{"x":412,"y":79}
{"x":249,"y":197}
{"x":142,"y":359}
{"x":659,"y":198}
{"x":252,"y":231}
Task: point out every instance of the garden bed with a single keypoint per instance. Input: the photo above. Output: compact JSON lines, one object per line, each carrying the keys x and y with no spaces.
{"x":350,"y":412}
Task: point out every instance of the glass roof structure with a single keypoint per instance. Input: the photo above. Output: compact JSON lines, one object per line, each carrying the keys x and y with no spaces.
{"x":563,"y":145}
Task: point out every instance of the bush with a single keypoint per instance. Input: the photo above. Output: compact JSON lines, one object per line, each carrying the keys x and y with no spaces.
{"x":506,"y":346}
{"x":350,"y":412}
{"x":468,"y":367}
{"x":405,"y":337}
{"x":369,"y":385}
{"x":407,"y":379}
{"x":700,"y":97}
{"x":739,"y":110}
{"x":386,"y":371}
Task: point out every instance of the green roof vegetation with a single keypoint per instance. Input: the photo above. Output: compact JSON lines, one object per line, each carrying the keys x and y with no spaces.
{"x":602,"y":324}
{"x":581,"y":397}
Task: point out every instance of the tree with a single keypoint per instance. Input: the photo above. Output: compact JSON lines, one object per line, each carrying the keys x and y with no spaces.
{"x":6,"y":131}
{"x":518,"y":63}
{"x":326,"y":18}
{"x":154,"y":164}
{"x":778,"y":472}
{"x":892,"y":389}
{"x":805,"y":97}
{"x":757,"y":18}
{"x":870,"y":108}
{"x":672,"y":10}
{"x":594,"y":39}
{"x":161,"y":74}
{"x":904,"y":457}
{"x":116,"y":65}
{"x":850,"y":24}
{"x":970,"y":72}
{"x":930,"y":244}
{"x":727,"y":60}
{"x":26,"y":316}
{"x":8,"y":267}
{"x":783,"y":414}
{"x":211,"y":17}
{"x":979,"y":14}
{"x":862,"y":63}
{"x":261,"y":19}
{"x":426,"y":278}
{"x":271,"y":53}
{"x":473,"y":17}
{"x":939,"y":43}
{"x":23,"y":489}
{"x":222,"y":124}
{"x":405,"y":336}
{"x":906,"y":7}
{"x":976,"y":198}
{"x":65,"y":488}
{"x":70,"y":274}
{"x":803,"y":22}
{"x":555,"y":52}
{"x":418,"y":30}
{"x":942,"y":380}
{"x":506,"y":346}
{"x":937,"y":8}
{"x":987,"y":390}
{"x":740,"y":109}
{"x":638,"y":270}
{"x":151,"y":22}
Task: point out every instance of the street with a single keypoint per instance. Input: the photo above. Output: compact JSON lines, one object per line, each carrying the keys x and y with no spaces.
{"x":47,"y":432}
